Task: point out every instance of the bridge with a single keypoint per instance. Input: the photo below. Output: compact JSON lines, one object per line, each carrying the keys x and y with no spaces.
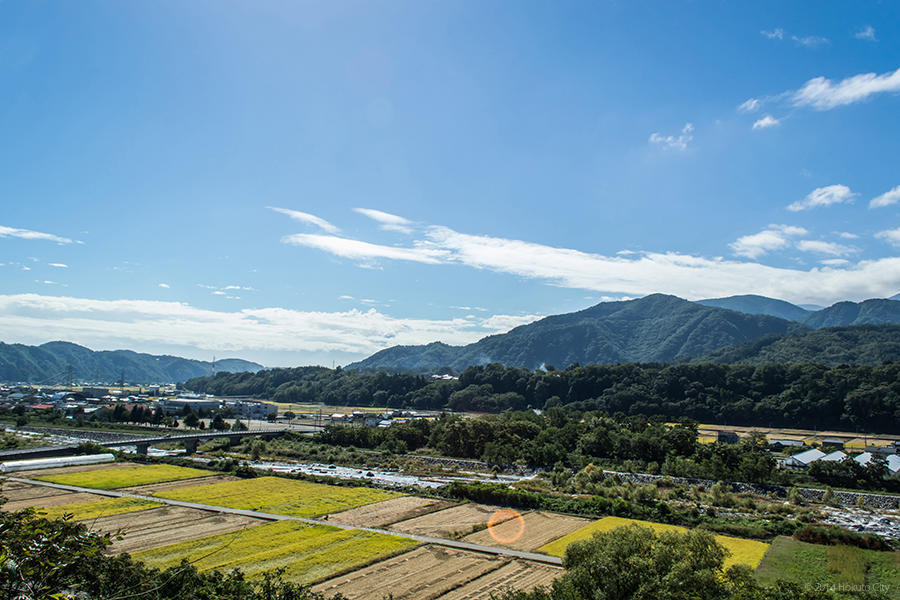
{"x":143,"y":443}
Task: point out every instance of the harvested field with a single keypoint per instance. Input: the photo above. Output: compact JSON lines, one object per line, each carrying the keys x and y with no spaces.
{"x":389,"y":511}
{"x":423,"y":574}
{"x":281,"y":496}
{"x":41,"y":503}
{"x":748,"y":552}
{"x":451,"y":522}
{"x":307,"y":552}
{"x":539,"y":529}
{"x":167,"y":525}
{"x":94,"y":509}
{"x":152,"y":488}
{"x":516,"y":575}
{"x":130,"y":475}
{"x":23,"y":495}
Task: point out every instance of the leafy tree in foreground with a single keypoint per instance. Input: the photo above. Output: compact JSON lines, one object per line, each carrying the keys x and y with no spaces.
{"x":42,"y":559}
{"x":636,"y":563}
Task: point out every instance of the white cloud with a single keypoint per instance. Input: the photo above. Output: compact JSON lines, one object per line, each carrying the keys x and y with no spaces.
{"x":811,"y":41}
{"x":164,"y":285}
{"x":138,"y":324}
{"x":866,"y":33}
{"x":27,"y":234}
{"x":218,"y":293}
{"x":821,"y":247}
{"x":886,"y":199}
{"x":306,"y":218}
{"x":824,"y":94}
{"x":59,"y":265}
{"x":670,"y":141}
{"x":774,"y":237}
{"x":824,"y":196}
{"x":48,"y":282}
{"x":26,"y":268}
{"x":775,"y":34}
{"x":388,"y":221}
{"x":749,"y":106}
{"x":345,"y":297}
{"x":358,"y":250}
{"x":847,"y":235}
{"x":835,"y":262}
{"x":765,"y":122}
{"x":891,"y":236}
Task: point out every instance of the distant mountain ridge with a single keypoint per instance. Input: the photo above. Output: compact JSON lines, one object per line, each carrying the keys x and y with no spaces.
{"x":661,"y":328}
{"x":656,"y":328}
{"x":834,"y":346}
{"x":48,"y":363}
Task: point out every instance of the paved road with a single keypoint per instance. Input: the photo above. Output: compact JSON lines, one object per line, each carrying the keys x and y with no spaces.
{"x":542,"y":558}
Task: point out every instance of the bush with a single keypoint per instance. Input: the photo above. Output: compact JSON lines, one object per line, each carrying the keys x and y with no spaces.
{"x":833,"y":536}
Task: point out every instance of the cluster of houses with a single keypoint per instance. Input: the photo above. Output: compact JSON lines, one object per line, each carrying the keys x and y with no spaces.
{"x":87,"y":401}
{"x":375,"y":419}
{"x":804,"y":459}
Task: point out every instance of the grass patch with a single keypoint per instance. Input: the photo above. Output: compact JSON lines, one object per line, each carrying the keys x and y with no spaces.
{"x":831,"y":566}
{"x":84,"y":511}
{"x":308,"y":552}
{"x":108,"y":479}
{"x":747,"y":552}
{"x":281,"y":496}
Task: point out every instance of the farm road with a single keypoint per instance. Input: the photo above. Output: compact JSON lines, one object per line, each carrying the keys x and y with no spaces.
{"x":534,"y":556}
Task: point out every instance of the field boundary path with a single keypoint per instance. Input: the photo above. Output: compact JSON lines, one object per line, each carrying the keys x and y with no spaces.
{"x":533,"y":556}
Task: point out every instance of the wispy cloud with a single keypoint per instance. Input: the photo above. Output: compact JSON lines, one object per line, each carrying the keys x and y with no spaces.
{"x":824,"y":196}
{"x":164,"y":285}
{"x":749,"y":106}
{"x":136,"y":323}
{"x":774,"y":237}
{"x":679,"y":142}
{"x":766,"y":122}
{"x":388,"y":221}
{"x":773,"y":34}
{"x":824,"y":94}
{"x":358,"y":250}
{"x":891,"y":236}
{"x":59,"y":265}
{"x":28,"y":234}
{"x":810,"y":41}
{"x":306,"y":218}
{"x":866,"y":33}
{"x":822,"y":247}
{"x":847,"y":235}
{"x":886,"y":199}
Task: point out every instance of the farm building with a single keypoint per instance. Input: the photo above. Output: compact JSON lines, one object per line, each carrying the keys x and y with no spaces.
{"x":802,"y":460}
{"x":893,"y":462}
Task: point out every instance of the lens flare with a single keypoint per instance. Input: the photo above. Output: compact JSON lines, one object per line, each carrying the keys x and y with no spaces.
{"x":506,"y":526}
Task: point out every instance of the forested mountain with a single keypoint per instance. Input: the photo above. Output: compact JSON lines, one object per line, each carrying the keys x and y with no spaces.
{"x":877,"y":311}
{"x":856,"y":345}
{"x":806,"y":396}
{"x":759,"y":305}
{"x":656,"y":328}
{"x":48,"y":363}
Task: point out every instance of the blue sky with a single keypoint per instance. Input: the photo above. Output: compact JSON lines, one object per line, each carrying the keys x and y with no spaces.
{"x":302,"y":182}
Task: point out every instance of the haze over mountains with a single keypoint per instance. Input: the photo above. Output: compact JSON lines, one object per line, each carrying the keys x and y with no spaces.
{"x":48,"y":363}
{"x":661,"y":328}
{"x":746,"y":329}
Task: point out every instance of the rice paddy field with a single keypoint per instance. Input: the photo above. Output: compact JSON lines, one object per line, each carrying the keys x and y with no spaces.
{"x":123,"y":476}
{"x":281,"y":496}
{"x":84,"y":511}
{"x":307,"y":552}
{"x":839,"y":566}
{"x":747,"y":552}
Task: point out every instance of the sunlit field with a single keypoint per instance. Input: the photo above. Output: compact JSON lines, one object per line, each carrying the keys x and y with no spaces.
{"x":83,"y":511}
{"x":108,"y":479}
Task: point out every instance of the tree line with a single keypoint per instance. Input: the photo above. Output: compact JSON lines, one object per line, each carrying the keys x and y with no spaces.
{"x":805,"y":395}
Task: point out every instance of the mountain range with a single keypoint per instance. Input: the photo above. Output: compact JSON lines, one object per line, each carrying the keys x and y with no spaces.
{"x":49,"y":363}
{"x":662,"y":328}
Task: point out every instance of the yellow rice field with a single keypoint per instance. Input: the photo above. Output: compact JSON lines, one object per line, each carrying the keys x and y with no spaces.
{"x":125,"y":476}
{"x":84,"y":511}
{"x":747,"y":552}
{"x":281,"y":496}
{"x":308,"y":552}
